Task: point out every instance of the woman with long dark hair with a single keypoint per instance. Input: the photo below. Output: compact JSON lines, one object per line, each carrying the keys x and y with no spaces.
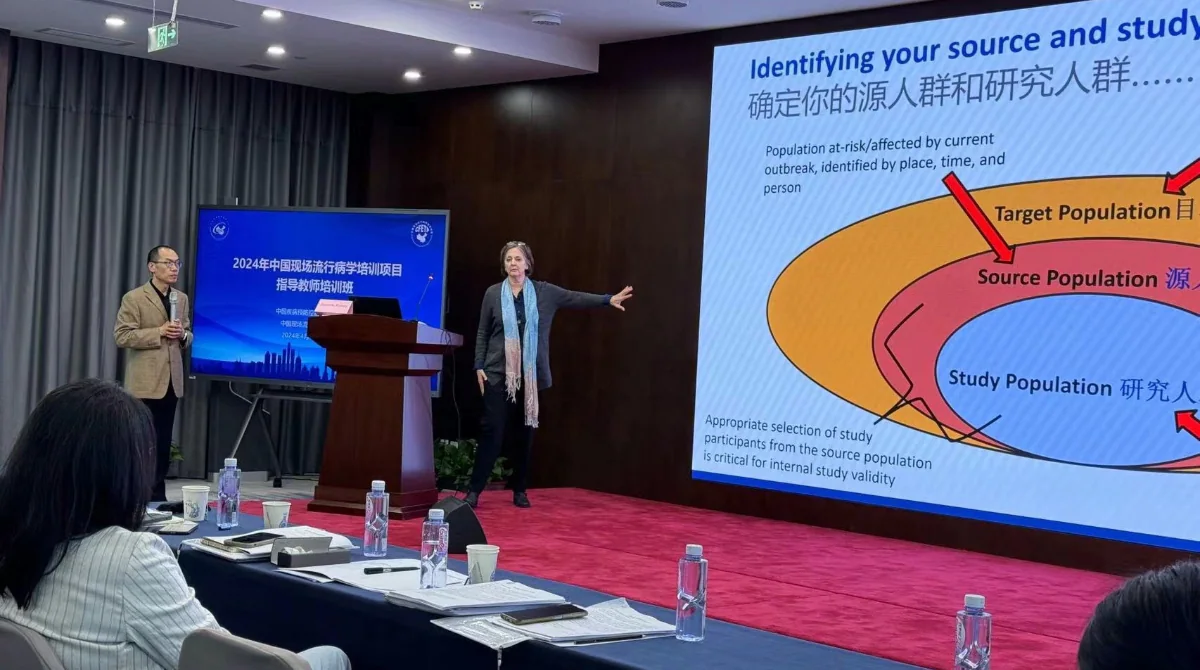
{"x":73,"y":565}
{"x":1152,"y":622}
{"x":512,"y":361}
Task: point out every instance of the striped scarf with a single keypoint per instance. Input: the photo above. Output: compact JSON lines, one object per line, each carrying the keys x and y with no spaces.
{"x":520,"y":354}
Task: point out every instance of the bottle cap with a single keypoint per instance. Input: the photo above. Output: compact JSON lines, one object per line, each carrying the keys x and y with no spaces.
{"x":437,"y":515}
{"x":973,"y":601}
{"x":231,"y":462}
{"x":694,"y":550}
{"x":377,"y":485}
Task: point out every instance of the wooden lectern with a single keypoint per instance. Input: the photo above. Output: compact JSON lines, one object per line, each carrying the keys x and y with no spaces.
{"x":381,"y":422}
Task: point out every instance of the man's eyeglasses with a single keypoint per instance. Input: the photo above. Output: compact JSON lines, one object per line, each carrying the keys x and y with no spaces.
{"x":173,"y":265}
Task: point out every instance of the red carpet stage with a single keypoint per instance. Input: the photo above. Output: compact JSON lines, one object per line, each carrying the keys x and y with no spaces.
{"x":877,"y":596}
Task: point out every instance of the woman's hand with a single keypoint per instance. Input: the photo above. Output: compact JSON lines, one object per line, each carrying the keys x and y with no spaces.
{"x":625,"y":294}
{"x":482,"y":381}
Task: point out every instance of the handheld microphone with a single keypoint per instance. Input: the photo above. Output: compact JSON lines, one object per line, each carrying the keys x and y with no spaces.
{"x":174,"y":300}
{"x":417,"y":316}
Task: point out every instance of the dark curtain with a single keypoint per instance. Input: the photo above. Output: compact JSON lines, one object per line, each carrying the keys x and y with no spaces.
{"x":108,"y":156}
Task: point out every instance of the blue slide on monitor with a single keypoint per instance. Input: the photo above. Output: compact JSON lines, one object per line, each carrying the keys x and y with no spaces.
{"x":260,"y":273}
{"x":947,"y":268}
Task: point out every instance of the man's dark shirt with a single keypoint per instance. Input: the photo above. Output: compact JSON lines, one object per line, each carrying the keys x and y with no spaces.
{"x":166,"y":300}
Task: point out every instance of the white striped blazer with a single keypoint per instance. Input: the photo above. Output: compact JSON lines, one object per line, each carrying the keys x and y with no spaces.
{"x":118,"y":601}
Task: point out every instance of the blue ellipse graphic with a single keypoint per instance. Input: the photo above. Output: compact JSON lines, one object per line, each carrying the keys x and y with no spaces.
{"x":1138,"y":354}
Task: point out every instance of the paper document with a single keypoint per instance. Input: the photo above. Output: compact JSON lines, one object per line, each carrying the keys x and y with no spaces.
{"x":481,"y":629}
{"x":354,"y":574}
{"x":307,"y":573}
{"x":154,"y":519}
{"x":174,"y":527}
{"x":154,"y":516}
{"x":475,"y":598}
{"x":219,"y":546}
{"x":609,"y":620}
{"x":149,"y":524}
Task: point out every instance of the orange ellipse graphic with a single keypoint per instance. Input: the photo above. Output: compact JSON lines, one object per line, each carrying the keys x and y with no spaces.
{"x":824,"y":307}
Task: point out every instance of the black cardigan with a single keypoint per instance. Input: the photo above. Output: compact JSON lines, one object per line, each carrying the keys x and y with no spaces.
{"x":489,"y":340}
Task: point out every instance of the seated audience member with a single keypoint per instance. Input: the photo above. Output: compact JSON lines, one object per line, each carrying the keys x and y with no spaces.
{"x":1152,"y":622}
{"x":73,"y":566}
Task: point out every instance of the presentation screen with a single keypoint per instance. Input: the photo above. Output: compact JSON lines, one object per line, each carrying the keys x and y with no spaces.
{"x":260,"y":273}
{"x":947,"y":267}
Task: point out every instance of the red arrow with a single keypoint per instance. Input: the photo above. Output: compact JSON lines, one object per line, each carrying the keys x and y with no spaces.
{"x":1179,"y":181}
{"x":1185,"y":419}
{"x":1004,"y":253}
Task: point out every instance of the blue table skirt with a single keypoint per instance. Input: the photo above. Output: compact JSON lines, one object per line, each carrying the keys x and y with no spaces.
{"x":257,"y":602}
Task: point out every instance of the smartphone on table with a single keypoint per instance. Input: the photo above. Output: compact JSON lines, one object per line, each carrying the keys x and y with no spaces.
{"x":544,"y":614}
{"x":253,"y":540}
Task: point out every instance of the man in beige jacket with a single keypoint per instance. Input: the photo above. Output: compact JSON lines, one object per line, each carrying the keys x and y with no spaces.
{"x":154,"y":342}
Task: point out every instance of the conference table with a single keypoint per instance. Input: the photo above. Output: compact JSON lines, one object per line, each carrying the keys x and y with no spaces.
{"x":256,"y":601}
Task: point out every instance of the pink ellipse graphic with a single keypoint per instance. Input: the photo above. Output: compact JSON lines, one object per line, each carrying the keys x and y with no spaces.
{"x":913,"y":327}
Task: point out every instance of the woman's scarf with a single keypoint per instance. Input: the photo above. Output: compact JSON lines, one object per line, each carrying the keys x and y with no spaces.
{"x":518,"y":352}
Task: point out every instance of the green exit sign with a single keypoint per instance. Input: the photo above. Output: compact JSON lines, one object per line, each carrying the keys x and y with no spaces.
{"x":164,"y":36}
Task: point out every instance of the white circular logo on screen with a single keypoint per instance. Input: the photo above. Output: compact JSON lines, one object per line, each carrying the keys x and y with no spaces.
{"x":422,"y":233}
{"x":219,"y":229}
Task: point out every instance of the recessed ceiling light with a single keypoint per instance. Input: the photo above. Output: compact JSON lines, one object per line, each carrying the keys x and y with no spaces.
{"x":412,"y":75}
{"x":272,"y":14}
{"x":462,"y":51}
{"x":114,"y":22}
{"x":276,"y":50}
{"x":551,"y":19}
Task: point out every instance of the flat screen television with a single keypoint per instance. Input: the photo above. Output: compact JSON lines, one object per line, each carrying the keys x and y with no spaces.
{"x":259,"y":274}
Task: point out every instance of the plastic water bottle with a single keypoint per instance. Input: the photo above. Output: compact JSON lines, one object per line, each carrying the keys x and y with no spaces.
{"x":974,"y":645}
{"x":229,"y":495}
{"x":693,"y":587}
{"x":375,"y":538}
{"x":435,"y":545}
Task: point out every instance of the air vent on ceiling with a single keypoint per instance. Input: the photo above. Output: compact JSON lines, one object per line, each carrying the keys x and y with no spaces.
{"x":547,"y":18}
{"x":260,"y":68}
{"x":84,"y":37}
{"x":182,"y":18}
{"x":673,"y":4}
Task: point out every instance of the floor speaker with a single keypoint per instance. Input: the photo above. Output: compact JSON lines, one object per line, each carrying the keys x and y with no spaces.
{"x":464,"y":525}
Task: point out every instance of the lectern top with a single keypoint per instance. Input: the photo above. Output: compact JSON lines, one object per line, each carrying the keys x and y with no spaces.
{"x":368,"y":332}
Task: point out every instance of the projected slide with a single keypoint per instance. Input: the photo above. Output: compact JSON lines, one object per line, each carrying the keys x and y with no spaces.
{"x":260,"y":274}
{"x":948,"y":267}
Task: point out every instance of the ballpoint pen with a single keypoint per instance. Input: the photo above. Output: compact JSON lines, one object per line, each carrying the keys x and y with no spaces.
{"x":382,"y":571}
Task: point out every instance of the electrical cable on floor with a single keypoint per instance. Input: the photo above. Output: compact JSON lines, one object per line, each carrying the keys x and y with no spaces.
{"x":453,"y":382}
{"x":454,"y":392}
{"x":454,"y":398}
